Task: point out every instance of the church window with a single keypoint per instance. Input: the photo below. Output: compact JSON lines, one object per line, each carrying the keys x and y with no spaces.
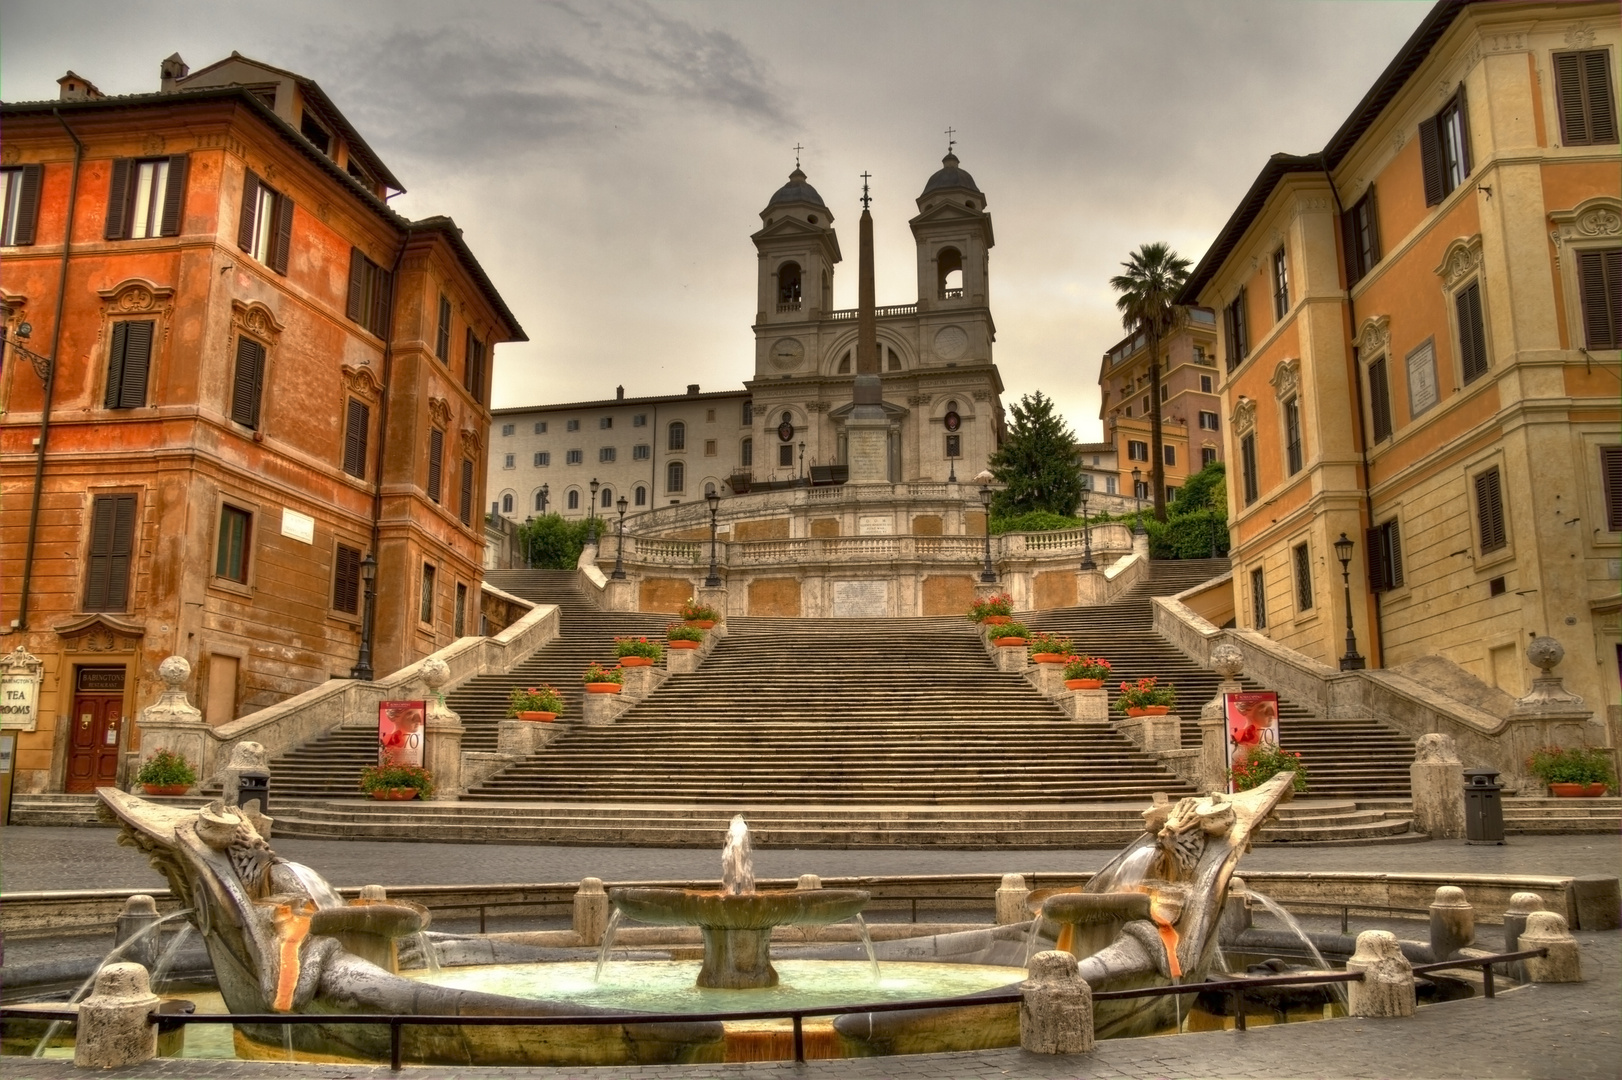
{"x":675,"y":477}
{"x":748,"y":413}
{"x":641,"y":496}
{"x":951,"y":406}
{"x":507,"y":503}
{"x":949,"y":274}
{"x":785,"y":455}
{"x":608,"y":498}
{"x":678,"y":436}
{"x":709,"y":448}
{"x":844,"y":363}
{"x":746,"y":453}
{"x":574,"y":499}
{"x":895,"y":361}
{"x":788,"y":287}
{"x":954,"y":446}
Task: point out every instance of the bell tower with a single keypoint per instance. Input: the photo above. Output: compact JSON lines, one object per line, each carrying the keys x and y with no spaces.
{"x":798,"y":249}
{"x":953,"y":233}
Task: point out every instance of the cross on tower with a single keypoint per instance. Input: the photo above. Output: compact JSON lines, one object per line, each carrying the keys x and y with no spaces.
{"x":797,"y":149}
{"x":866,"y":198}
{"x":950,"y":142}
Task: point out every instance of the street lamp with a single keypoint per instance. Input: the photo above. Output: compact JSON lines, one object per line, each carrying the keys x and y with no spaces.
{"x":988,"y":575}
{"x":714,"y":580}
{"x":1352,"y":661}
{"x":363,"y":662}
{"x":1137,"y":495}
{"x":546,"y":490}
{"x":591,"y":514}
{"x":802,"y":461}
{"x":619,"y":549}
{"x":1087,"y":562}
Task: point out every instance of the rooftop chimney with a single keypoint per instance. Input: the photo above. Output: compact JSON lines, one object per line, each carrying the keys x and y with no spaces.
{"x":76,"y":87}
{"x":170,"y":72}
{"x":692,"y":388}
{"x":619,"y":393}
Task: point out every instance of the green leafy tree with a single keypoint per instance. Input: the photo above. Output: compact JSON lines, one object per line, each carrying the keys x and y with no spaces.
{"x":1154,"y":275}
{"x":1036,"y":464}
{"x":551,"y":543}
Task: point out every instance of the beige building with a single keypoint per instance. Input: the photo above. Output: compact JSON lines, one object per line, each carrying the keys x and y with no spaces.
{"x":1419,"y":333}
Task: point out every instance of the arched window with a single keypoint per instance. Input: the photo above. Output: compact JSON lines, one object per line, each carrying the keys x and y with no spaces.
{"x":949,"y":273}
{"x":788,"y":284}
{"x":746,"y":453}
{"x":641,"y":495}
{"x":608,"y":498}
{"x":507,"y":503}
{"x":895,"y":361}
{"x":540,"y":501}
{"x":827,"y":291}
{"x":574,"y":499}
{"x":844,"y":363}
{"x":678,"y":436}
{"x":675,"y":477}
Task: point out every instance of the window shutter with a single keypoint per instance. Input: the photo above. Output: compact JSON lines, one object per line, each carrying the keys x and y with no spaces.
{"x":1380,"y":400}
{"x":1350,"y":247}
{"x":112,"y":539}
{"x":250,"y":207}
{"x":1393,"y":554}
{"x":346,"y":580}
{"x":466,"y":509}
{"x":174,"y":196}
{"x":115,"y":366}
{"x":1599,"y":280}
{"x":1472,"y":333}
{"x":379,"y":316}
{"x":1371,"y":215}
{"x":1490,"y":510}
{"x":359,"y":418}
{"x":245,"y":390}
{"x":442,"y":343}
{"x":357,"y":284}
{"x":118,"y":201}
{"x":28,"y":204}
{"x":1465,"y":163}
{"x":1599,"y":105}
{"x":282,"y":242}
{"x":1568,"y":89}
{"x":1430,"y":160}
{"x":467,"y":360}
{"x":137,"y":362}
{"x":436,"y":457}
{"x":1610,"y":463}
{"x":101,"y":549}
{"x":1374,"y":542}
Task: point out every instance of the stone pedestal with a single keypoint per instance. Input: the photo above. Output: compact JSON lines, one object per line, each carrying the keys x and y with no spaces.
{"x":1547,"y":930}
{"x":1521,"y":905}
{"x":443,"y":732}
{"x":174,"y":724}
{"x":1010,"y":657}
{"x":1011,"y":897}
{"x":1213,"y":754}
{"x":1140,"y":544}
{"x":867,"y":447}
{"x":1056,"y":1013}
{"x":590,"y":911}
{"x":1437,"y":780}
{"x":620,"y":594}
{"x":714,"y":597}
{"x":1090,"y":586}
{"x":1153,"y":734}
{"x":600,"y":710}
{"x":521,"y":738}
{"x":684,"y":661}
{"x":1086,"y":704}
{"x":1387,"y":988}
{"x":1453,"y":922}
{"x":246,"y":757}
{"x":1048,"y":679}
{"x":113,"y":1029}
{"x":641,"y":681}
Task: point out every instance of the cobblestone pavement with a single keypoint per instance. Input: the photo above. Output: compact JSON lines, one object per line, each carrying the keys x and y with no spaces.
{"x":1570,"y":1032}
{"x":36,"y":858}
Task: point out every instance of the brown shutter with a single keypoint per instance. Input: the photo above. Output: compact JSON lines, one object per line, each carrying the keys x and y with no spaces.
{"x":174,"y":196}
{"x":283,"y":240}
{"x":1599,"y":104}
{"x":115,"y":366}
{"x":137,"y":362}
{"x":1472,"y":333}
{"x":442,"y":343}
{"x":358,"y":419}
{"x":250,"y":207}
{"x":1393,"y":553}
{"x":1464,"y":130}
{"x":1372,"y":216}
{"x":1599,"y":281}
{"x":1380,"y":399}
{"x":466,"y":508}
{"x":1430,"y":160}
{"x":379,"y":319}
{"x":346,"y":580}
{"x":1490,"y":510}
{"x":247,"y":386}
{"x":1610,"y":464}
{"x":27,"y":204}
{"x":118,"y":201}
{"x":1568,"y":91}
{"x":1350,"y":247}
{"x":467,"y":361}
{"x":357,"y":284}
{"x":101,"y":547}
{"x":436,"y":458}
{"x":112,"y":540}
{"x":1374,"y":541}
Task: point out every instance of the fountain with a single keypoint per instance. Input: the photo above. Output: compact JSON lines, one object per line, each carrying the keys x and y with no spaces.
{"x":737,"y":921}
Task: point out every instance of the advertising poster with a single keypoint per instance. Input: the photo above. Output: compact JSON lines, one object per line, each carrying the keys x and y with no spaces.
{"x":1252,"y":722}
{"x":399,"y":732}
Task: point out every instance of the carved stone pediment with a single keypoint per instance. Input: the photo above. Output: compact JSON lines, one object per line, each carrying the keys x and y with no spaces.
{"x":1243,"y":419}
{"x":1599,"y":218}
{"x":1374,"y":336}
{"x":256,"y":320}
{"x":362,"y":382}
{"x":100,"y":632}
{"x":135,"y":296}
{"x":471,"y":443}
{"x":1462,"y":258}
{"x":439,"y":411}
{"x":1286,"y":380}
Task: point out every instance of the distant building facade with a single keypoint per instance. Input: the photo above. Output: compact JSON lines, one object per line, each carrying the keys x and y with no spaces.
{"x":261,"y":377}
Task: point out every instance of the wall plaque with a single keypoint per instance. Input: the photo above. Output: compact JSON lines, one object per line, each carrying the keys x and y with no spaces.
{"x":875,"y":525}
{"x":20,"y":676}
{"x":1422,"y":389}
{"x":298,"y":526}
{"x":861,"y":599}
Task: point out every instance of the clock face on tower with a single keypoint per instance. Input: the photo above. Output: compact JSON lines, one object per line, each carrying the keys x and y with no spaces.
{"x":787,"y":353}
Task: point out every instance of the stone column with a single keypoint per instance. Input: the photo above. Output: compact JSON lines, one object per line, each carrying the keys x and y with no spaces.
{"x":443,"y":732}
{"x":1011,"y":897}
{"x":1086,"y":704}
{"x":1548,"y":930}
{"x":1090,"y":588}
{"x":1437,"y":780}
{"x":172,"y":723}
{"x":1056,"y":1013}
{"x":1387,"y":988}
{"x":620,"y":594}
{"x":113,"y":1029}
{"x":1140,"y":544}
{"x":590,"y":911}
{"x":1228,"y":662}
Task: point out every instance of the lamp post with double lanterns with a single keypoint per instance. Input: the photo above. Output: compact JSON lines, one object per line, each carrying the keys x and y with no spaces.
{"x":1137,"y":496}
{"x":368,"y":578}
{"x":714,"y":579}
{"x":591,"y":514}
{"x":988,"y":576}
{"x":619,"y":548}
{"x":802,"y":461}
{"x":1087,"y":562}
{"x":1353,"y":660}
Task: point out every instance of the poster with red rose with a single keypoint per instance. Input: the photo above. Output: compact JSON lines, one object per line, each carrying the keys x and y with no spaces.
{"x":399,"y":732}
{"x":1252,"y":722}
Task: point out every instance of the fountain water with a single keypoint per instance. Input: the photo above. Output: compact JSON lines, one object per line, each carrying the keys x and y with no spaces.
{"x":1290,"y":923}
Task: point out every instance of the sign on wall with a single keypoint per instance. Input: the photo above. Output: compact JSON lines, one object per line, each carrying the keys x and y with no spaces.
{"x":1252,"y":723}
{"x":20,"y":676}
{"x":399,"y":732}
{"x":1422,"y":388}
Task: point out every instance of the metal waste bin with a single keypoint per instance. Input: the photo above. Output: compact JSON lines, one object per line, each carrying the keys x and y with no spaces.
{"x":1483,"y":809}
{"x":256,"y":785}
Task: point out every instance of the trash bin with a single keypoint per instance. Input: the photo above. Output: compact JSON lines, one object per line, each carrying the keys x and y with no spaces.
{"x":256,"y":785}
{"x":1483,"y":809}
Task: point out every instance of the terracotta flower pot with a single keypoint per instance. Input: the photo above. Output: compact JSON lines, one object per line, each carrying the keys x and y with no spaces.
{"x":635,"y":661}
{"x":1083,"y":684}
{"x":1008,"y":642}
{"x":1569,"y":791}
{"x":1049,"y":658}
{"x":702,"y":624}
{"x":166,"y":789}
{"x":684,"y":644}
{"x":1149,"y":710}
{"x":1594,"y":791}
{"x":996,"y":620}
{"x":394,"y":794}
{"x":603,"y":688}
{"x":543,"y":717}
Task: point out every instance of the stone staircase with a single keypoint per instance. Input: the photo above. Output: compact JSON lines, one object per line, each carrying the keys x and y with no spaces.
{"x":1538,"y":814}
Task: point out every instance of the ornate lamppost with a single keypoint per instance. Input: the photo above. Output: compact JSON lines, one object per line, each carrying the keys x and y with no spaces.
{"x":1087,"y":562}
{"x":1137,"y":496}
{"x":619,"y":549}
{"x":714,"y":580}
{"x":988,"y":575}
{"x":591,"y":513}
{"x":363,"y":662}
{"x":802,"y":461}
{"x":1353,"y":660}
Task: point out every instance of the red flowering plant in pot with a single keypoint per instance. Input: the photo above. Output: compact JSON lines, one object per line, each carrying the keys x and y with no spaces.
{"x":1046,"y":648}
{"x":992,"y":610}
{"x":166,"y":773}
{"x":1573,"y":772}
{"x":700,"y":615}
{"x":543,"y":702}
{"x":1085,"y":672}
{"x":1265,"y":761}
{"x":1009,"y":633}
{"x":638,"y":651}
{"x":682,"y":636}
{"x":1146,"y":697}
{"x":603,"y":680}
{"x":397,"y":782}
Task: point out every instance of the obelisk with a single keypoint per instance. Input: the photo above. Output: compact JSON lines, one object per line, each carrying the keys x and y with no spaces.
{"x":867,"y":429}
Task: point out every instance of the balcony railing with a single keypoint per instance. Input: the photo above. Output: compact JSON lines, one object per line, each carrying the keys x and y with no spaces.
{"x":951,"y":294}
{"x":786,"y":306}
{"x":893,"y":309}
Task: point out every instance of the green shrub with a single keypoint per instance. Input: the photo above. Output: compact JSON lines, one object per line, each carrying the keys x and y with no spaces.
{"x":542,"y":698}
{"x":638,"y":646}
{"x":1577,"y":765}
{"x":682,"y":632}
{"x":1266,"y":761}
{"x":380,"y":777}
{"x":1007,"y":629}
{"x":1034,"y":521}
{"x":595,"y":672}
{"x":166,"y":768}
{"x":551,"y":543}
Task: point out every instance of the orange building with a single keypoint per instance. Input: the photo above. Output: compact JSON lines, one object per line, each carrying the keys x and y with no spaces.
{"x":1419,"y":331}
{"x":232,"y":374}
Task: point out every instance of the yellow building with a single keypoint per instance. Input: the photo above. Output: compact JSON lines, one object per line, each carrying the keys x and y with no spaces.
{"x":1419,"y":333}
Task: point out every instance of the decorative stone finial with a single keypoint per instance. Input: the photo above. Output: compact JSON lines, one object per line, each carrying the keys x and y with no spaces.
{"x":1227,"y":661}
{"x":173,"y":671}
{"x":1545,"y":652}
{"x":1548,"y":693}
{"x":435,"y":673}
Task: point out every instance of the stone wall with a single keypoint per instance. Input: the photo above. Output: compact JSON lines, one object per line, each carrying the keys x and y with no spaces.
{"x":664,"y":593}
{"x":776,"y":597}
{"x":948,"y":594}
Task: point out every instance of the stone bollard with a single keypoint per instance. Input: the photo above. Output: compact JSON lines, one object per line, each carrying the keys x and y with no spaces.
{"x":1521,"y":905}
{"x":443,"y":733}
{"x":1387,"y":988}
{"x":808,"y":881}
{"x":641,"y":681}
{"x":1436,"y":779}
{"x":140,"y":914}
{"x":1086,"y":704}
{"x":1048,"y":679}
{"x":1162,"y":733}
{"x":599,"y":710}
{"x":1228,"y":661}
{"x":590,"y":911}
{"x":246,"y":757}
{"x":1548,"y":930}
{"x":1453,"y":922}
{"x":113,"y":1029}
{"x":1056,"y":1011}
{"x":373,"y":892}
{"x":1012,"y":896}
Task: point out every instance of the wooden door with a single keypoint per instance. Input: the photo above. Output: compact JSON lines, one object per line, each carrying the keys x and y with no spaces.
{"x":93,"y":750}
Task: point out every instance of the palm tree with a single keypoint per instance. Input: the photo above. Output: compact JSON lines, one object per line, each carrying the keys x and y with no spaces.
{"x":1154,"y":275}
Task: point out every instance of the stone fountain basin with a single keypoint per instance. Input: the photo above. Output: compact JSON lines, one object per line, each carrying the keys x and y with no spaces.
{"x":746,"y":911}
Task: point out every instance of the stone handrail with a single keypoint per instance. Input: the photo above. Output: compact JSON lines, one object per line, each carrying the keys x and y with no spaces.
{"x":1108,"y":541}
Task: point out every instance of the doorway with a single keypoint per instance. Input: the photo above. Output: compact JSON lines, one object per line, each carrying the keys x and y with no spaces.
{"x":98,"y":716}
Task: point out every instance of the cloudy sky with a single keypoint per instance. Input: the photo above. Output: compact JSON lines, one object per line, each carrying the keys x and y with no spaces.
{"x":608,"y":159}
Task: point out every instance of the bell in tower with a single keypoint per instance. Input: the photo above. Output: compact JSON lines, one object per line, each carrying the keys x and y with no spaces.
{"x":798,"y":249}
{"x":953,"y":233}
